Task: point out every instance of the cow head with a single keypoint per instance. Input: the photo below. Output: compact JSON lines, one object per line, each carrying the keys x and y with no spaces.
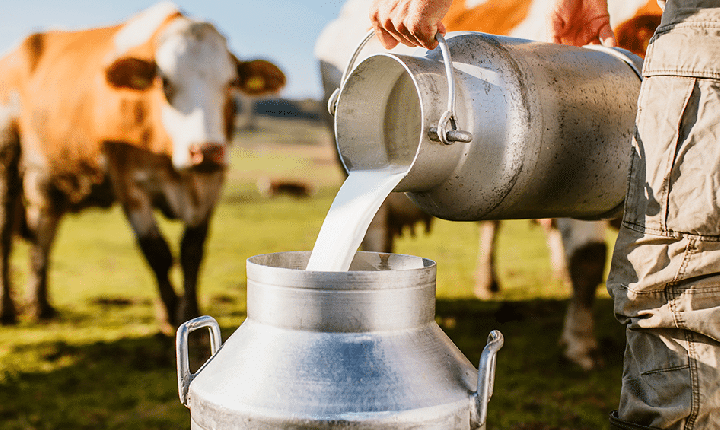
{"x":196,"y":75}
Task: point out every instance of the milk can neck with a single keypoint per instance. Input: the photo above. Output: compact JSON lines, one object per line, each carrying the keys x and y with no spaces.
{"x":399,"y":296}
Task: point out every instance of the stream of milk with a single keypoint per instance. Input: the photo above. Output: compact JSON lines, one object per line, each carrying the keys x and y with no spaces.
{"x":349,"y":216}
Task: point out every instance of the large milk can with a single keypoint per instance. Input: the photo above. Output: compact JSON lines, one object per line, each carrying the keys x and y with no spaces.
{"x":337,"y":350}
{"x":493,"y":127}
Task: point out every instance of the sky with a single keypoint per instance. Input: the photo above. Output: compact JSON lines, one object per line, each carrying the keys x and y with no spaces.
{"x":283,"y":31}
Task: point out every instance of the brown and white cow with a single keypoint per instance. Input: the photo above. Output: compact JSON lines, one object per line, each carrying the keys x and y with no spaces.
{"x":140,"y":112}
{"x":578,"y":249}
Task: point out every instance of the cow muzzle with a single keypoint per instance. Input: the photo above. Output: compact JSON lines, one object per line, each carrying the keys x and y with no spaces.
{"x":209,"y":155}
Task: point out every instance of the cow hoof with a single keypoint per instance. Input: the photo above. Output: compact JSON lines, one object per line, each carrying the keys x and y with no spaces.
{"x":562,"y":276}
{"x":8,"y":318}
{"x":8,"y":315}
{"x":583,"y":353}
{"x":186,"y":313}
{"x":167,"y":329}
{"x":487,"y":291}
{"x":44,"y":312}
{"x":587,"y":361}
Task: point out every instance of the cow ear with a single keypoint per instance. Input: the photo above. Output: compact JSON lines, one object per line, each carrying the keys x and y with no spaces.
{"x":131,"y":73}
{"x":258,"y":77}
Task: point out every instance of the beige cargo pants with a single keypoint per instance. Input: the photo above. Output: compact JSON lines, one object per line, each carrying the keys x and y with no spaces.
{"x":665,"y":273}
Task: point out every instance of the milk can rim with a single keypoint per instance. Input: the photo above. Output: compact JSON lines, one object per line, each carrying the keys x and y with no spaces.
{"x":259,"y":259}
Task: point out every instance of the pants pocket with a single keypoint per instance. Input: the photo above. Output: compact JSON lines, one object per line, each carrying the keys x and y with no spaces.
{"x":657,"y":387}
{"x":693,"y":203}
{"x":662,"y":103}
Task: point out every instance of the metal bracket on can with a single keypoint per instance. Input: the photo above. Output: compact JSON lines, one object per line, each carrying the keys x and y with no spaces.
{"x":185,"y":377}
{"x":486,"y":376}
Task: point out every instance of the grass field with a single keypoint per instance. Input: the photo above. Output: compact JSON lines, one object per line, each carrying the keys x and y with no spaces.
{"x":104,"y":365}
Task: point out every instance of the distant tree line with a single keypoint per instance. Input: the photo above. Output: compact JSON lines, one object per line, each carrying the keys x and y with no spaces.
{"x":307,"y":109}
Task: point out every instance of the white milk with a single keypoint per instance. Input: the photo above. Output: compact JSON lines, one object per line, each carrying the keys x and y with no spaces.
{"x":349,"y":216}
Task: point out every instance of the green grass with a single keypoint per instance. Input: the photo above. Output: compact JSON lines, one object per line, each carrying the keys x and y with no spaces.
{"x":104,"y":365}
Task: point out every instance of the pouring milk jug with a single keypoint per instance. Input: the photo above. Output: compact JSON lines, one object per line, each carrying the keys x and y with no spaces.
{"x":494,"y":127}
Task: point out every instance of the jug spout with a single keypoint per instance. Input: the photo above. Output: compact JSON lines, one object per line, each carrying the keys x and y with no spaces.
{"x":392,"y":127}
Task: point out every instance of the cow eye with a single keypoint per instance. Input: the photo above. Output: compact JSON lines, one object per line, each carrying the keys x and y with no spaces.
{"x":168,"y":89}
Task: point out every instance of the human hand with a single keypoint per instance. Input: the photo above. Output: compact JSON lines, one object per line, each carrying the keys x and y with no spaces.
{"x":580,"y":22}
{"x":410,"y":22}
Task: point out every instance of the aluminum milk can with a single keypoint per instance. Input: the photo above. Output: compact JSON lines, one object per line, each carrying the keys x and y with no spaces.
{"x":493,"y":127}
{"x":337,"y":350}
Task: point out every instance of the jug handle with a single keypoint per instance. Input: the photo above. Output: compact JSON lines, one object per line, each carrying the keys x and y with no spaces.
{"x":332,"y":101}
{"x":486,"y":375}
{"x":185,"y":377}
{"x":445,"y":132}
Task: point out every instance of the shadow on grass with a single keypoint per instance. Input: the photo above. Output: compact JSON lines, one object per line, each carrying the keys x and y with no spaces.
{"x":536,"y":388}
{"x":131,"y":383}
{"x":122,"y":384}
{"x":125,"y":384}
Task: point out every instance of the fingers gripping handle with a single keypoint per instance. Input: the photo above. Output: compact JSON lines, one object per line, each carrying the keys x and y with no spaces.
{"x":185,"y":377}
{"x":446,"y":131}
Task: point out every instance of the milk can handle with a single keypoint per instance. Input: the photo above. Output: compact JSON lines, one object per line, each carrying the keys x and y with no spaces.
{"x":445,"y":132}
{"x":486,"y":375}
{"x":332,"y":101}
{"x":185,"y":377}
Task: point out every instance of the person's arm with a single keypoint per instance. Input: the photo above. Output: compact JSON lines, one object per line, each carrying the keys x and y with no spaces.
{"x":580,"y":22}
{"x":411,"y":22}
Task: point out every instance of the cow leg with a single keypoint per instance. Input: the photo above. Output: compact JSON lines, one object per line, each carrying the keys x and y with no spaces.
{"x":157,"y":253}
{"x":43,"y":218}
{"x":486,"y":283}
{"x":42,"y":214}
{"x":40,"y":307}
{"x":192,"y":250}
{"x":554,"y":241}
{"x":159,"y":257}
{"x":586,"y":265}
{"x":8,"y":314}
{"x":9,"y":193}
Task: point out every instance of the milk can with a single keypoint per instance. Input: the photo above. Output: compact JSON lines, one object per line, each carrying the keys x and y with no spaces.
{"x":493,"y":127}
{"x":337,"y":350}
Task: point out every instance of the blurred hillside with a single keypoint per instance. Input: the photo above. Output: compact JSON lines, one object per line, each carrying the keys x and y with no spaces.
{"x":305,"y":109}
